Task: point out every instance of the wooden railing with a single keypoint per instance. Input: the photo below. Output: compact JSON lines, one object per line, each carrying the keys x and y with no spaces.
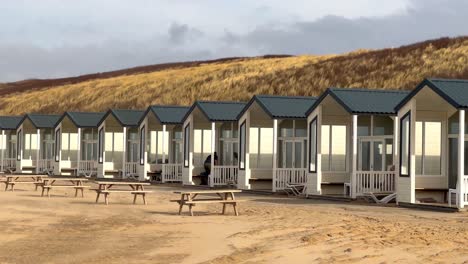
{"x":285,"y":176}
{"x":9,"y":163}
{"x":45,"y":166}
{"x":375,"y":181}
{"x":87,"y":168}
{"x":224,"y":175}
{"x":171,"y":173}
{"x":131,"y":169}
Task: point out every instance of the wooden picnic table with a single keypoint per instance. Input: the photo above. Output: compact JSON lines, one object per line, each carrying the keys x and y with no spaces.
{"x":108,"y":187}
{"x":63,"y":182}
{"x":191,"y":198}
{"x":12,"y":180}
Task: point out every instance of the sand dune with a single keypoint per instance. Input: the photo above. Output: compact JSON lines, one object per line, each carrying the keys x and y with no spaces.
{"x":270,"y":229}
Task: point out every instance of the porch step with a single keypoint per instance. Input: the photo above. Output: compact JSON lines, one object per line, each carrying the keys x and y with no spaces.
{"x":330,"y":198}
{"x":429,"y":207}
{"x":261,"y":192}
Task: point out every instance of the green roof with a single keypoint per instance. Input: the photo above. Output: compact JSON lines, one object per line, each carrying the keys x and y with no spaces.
{"x":84,"y":119}
{"x":364,"y":101}
{"x":126,"y":117}
{"x":283,"y":106}
{"x":10,"y":122}
{"x":168,"y":114}
{"x":218,"y":111}
{"x":454,"y":91}
{"x":42,"y":120}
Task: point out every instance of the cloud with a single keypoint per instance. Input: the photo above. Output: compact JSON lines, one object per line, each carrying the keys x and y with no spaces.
{"x":94,"y":41}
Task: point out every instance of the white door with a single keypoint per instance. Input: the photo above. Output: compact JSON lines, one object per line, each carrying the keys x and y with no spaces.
{"x":293,"y":153}
{"x":371,"y":155}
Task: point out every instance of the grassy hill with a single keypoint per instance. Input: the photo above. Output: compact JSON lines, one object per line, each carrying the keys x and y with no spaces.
{"x":239,"y":79}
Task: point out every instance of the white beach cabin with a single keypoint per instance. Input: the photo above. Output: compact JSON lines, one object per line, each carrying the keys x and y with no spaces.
{"x":118,"y":144}
{"x":161,"y":143}
{"x":211,"y":127}
{"x":35,"y":143}
{"x":76,"y":144}
{"x":273,"y":142}
{"x":8,"y":125}
{"x":351,"y":142}
{"x":433,"y":159}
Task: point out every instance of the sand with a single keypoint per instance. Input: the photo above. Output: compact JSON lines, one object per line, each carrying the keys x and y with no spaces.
{"x":270,"y":229}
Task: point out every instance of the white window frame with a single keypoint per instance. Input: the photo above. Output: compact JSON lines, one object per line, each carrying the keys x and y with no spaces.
{"x":443,"y":127}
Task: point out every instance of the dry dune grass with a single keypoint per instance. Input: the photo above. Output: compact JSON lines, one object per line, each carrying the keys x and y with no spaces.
{"x":400,"y":68}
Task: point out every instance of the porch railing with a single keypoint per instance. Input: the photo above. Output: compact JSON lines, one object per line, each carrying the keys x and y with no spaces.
{"x":375,"y":181}
{"x":224,"y":175}
{"x":171,"y":172}
{"x":289,"y":176}
{"x":131,"y":169}
{"x":87,"y":168}
{"x":45,"y":166}
{"x":9,"y":163}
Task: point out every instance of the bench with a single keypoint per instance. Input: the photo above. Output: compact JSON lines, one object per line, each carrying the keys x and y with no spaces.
{"x":190,"y":204}
{"x":135,"y":193}
{"x":76,"y":187}
{"x":191,"y":199}
{"x":12,"y":184}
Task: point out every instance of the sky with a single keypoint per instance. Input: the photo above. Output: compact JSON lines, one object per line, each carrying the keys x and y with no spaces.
{"x":60,"y":38}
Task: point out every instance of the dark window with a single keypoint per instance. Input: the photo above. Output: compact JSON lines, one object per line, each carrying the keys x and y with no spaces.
{"x":405,"y":145}
{"x":19,"y":144}
{"x":242,"y":143}
{"x":142,"y":145}
{"x":101,"y":145}
{"x":186,"y":145}
{"x":313,"y":145}
{"x":58,"y":144}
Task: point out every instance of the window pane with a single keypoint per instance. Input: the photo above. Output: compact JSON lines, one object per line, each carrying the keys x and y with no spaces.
{"x":405,"y":144}
{"x":365,"y":156}
{"x":266,"y":148}
{"x":378,"y":156}
{"x":389,"y":155}
{"x":186,"y":145}
{"x":313,"y":146}
{"x":286,"y":128}
{"x":298,"y":154}
{"x":242,"y":146}
{"x":364,"y":125}
{"x":383,"y":125}
{"x":301,"y":128}
{"x":288,"y":153}
{"x":419,"y":147}
{"x":338,"y":144}
{"x":325,"y":149}
{"x":432,"y":148}
{"x":253,"y":147}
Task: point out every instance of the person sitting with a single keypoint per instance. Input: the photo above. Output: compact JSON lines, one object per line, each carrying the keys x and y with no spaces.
{"x":207,"y":164}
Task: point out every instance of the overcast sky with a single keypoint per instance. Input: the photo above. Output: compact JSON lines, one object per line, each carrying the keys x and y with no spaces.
{"x":58,"y":38}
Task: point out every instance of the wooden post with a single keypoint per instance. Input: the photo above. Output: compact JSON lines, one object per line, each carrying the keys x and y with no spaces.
{"x":461,"y":160}
{"x":396,"y":164}
{"x":213,"y":150}
{"x":124,"y":151}
{"x":275,"y":150}
{"x":38,"y":150}
{"x":354,"y":157}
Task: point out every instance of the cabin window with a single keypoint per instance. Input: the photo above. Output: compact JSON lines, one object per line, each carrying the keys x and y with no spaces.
{"x":405,"y":144}
{"x":428,"y":147}
{"x":454,"y":124}
{"x":383,"y":125}
{"x":261,"y":147}
{"x":334,"y":148}
{"x":364,"y":125}
{"x":313,"y":145}
{"x":229,"y":144}
{"x":19,"y":142}
{"x":242,"y":141}
{"x":101,"y":145}
{"x":89,"y":145}
{"x":30,"y":146}
{"x":132,"y":149}
{"x":48,"y":145}
{"x":177,"y":149}
{"x":142,"y":145}
{"x":57,"y":145}
{"x":201,"y":145}
{"x":12,"y":147}
{"x":186,"y":145}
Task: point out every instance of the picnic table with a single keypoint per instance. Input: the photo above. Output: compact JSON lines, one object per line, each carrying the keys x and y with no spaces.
{"x":53,"y":182}
{"x":191,"y":198}
{"x":13,"y":180}
{"x":135,"y":188}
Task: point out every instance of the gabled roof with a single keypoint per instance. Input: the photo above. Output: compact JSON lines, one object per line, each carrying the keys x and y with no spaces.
{"x":126,"y":117}
{"x":282,"y":106}
{"x":167,"y":114}
{"x":41,"y":120}
{"x":10,"y":122}
{"x":217,"y":111}
{"x":83,"y":119}
{"x":364,"y":101}
{"x":455,"y":92}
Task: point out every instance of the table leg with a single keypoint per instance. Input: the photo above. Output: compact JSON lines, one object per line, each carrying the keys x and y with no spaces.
{"x":134,"y":198}
{"x":235,"y":209}
{"x":144,"y":198}
{"x":224,"y":205}
{"x":190,"y":209}
{"x":97,"y":197}
{"x":106,"y":198}
{"x":82,"y":192}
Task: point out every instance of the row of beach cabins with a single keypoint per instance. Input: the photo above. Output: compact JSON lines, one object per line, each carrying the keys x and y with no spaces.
{"x":347,"y":142}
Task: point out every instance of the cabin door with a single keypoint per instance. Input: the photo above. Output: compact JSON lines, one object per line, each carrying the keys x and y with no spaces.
{"x":453,"y":161}
{"x":371,"y":155}
{"x":293,"y":153}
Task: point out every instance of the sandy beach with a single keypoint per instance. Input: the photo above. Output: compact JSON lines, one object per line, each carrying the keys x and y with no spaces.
{"x":270,"y":229}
